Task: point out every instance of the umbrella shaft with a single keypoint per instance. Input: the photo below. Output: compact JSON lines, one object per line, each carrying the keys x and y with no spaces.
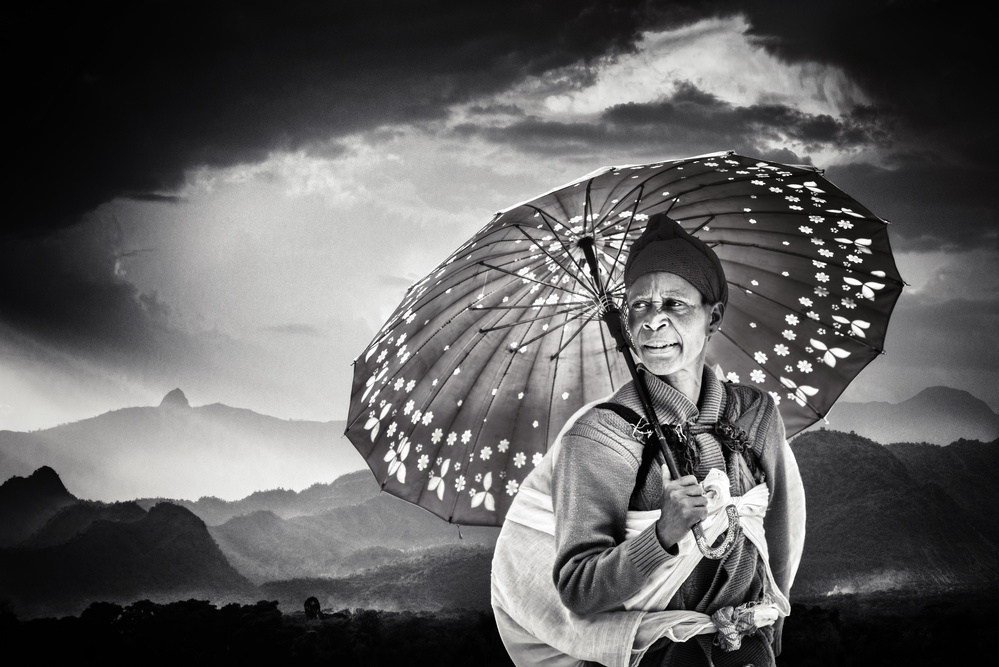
{"x":612,"y":318}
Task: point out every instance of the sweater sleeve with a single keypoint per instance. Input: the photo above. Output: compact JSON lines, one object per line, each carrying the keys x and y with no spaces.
{"x":595,"y":568}
{"x":785,"y":520}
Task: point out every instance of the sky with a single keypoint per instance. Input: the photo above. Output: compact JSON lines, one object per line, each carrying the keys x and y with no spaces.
{"x":232,"y":197}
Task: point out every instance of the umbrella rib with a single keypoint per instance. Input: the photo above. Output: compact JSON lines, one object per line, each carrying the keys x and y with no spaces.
{"x":522,"y":307}
{"x":533,"y":319}
{"x":545,"y":250}
{"x":609,"y":266}
{"x":576,"y":333}
{"x":545,"y":219}
{"x":588,"y":211}
{"x":631,"y":220}
{"x":804,"y":315}
{"x":534,"y":280}
{"x":554,"y":328}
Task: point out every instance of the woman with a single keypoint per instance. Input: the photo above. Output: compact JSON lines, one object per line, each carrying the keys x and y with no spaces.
{"x":643,"y":584}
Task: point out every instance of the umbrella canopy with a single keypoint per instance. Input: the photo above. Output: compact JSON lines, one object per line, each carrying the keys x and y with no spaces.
{"x":460,"y":393}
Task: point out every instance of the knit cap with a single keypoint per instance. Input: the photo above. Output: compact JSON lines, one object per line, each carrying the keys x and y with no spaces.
{"x":666,"y":246}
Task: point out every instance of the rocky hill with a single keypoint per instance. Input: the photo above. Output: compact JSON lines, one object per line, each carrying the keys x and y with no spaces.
{"x":78,"y":557}
{"x":872,"y":525}
{"x":965,"y":471}
{"x":75,"y":519}
{"x":27,"y":503}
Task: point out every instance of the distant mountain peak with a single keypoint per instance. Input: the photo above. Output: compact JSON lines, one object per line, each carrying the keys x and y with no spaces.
{"x":175,"y":399}
{"x":942,"y":393}
{"x":49,"y":478}
{"x":936,"y":414}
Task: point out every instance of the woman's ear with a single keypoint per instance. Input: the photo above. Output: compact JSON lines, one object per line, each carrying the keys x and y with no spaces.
{"x":715,"y":317}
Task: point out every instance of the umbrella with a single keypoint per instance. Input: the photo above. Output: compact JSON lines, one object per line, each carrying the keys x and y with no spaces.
{"x":460,"y":393}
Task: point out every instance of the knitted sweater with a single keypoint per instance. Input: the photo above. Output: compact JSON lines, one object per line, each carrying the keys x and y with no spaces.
{"x":592,"y":488}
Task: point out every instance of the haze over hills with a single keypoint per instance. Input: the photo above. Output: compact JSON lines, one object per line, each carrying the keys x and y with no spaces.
{"x":178,"y":451}
{"x":265,"y":547}
{"x":938,"y":415}
{"x":349,"y":489}
{"x":455,"y":577}
{"x":903,"y":517}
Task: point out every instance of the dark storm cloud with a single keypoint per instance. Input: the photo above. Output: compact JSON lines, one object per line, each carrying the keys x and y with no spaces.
{"x":922,"y":60}
{"x":689,"y":122}
{"x":65,"y":290}
{"x":119,"y":98}
{"x":926,"y":63}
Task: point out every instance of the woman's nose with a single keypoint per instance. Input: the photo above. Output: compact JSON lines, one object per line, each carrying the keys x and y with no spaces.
{"x":656,"y":320}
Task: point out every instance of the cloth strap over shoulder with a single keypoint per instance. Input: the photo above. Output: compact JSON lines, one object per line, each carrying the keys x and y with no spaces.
{"x":679,"y":435}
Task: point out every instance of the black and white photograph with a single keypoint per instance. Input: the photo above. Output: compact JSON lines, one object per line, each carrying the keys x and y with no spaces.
{"x":609,"y":332}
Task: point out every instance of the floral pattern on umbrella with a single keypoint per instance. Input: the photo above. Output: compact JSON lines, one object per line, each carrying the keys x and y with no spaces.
{"x":460,"y":393}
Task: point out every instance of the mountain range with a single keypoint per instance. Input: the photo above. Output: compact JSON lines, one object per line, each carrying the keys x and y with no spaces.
{"x":904,"y":517}
{"x":937,"y":415}
{"x":84,"y":551}
{"x":177,"y":451}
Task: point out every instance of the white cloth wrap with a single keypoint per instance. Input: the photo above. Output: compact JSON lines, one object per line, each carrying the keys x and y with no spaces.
{"x":537,"y":629}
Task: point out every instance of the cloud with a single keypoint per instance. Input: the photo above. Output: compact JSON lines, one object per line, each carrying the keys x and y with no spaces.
{"x":923,"y":62}
{"x":690,"y":122}
{"x":135,"y":102}
{"x":122,"y":98}
{"x":73,"y":277}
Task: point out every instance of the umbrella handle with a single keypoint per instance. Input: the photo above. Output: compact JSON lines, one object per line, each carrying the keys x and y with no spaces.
{"x":727,"y":544}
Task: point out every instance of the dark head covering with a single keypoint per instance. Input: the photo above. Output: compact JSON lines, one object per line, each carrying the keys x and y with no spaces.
{"x":666,"y":246}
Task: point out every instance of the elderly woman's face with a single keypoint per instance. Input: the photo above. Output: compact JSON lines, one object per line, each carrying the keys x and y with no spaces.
{"x":670,"y":323}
